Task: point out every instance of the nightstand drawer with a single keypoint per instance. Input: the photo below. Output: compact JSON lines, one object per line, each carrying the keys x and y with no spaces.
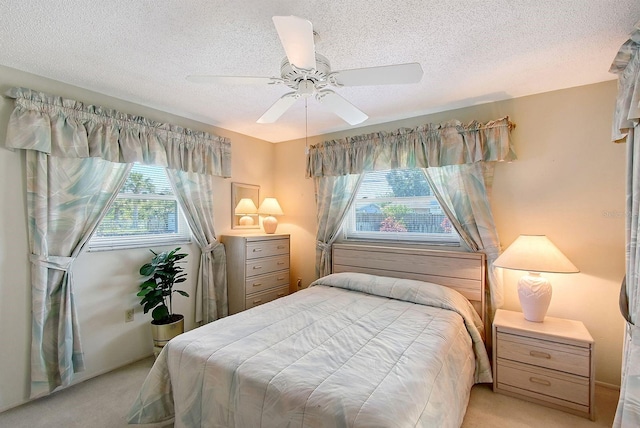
{"x":267,"y":265}
{"x":530,"y":379}
{"x":267,"y":296}
{"x":543,"y":353}
{"x":270,"y":248}
{"x":265,"y":282}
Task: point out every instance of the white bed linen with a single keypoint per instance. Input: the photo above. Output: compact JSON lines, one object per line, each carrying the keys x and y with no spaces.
{"x":326,"y":356}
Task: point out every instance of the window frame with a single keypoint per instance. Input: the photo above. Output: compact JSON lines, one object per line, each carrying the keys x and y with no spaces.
{"x":349,"y":233}
{"x":109,"y":243}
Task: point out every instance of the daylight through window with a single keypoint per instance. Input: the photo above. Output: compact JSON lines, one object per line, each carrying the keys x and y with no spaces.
{"x":145,"y":212}
{"x":398,"y":205}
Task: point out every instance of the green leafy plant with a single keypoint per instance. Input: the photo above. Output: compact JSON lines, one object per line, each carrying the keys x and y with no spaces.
{"x":164,"y":271}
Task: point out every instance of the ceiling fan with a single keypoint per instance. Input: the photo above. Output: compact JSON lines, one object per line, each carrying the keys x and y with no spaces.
{"x":309,"y":73}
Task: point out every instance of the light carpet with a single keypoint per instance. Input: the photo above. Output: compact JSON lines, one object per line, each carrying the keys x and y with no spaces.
{"x":104,"y":401}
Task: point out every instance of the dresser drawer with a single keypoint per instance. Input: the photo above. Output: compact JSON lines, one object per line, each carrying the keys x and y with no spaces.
{"x":265,"y":282}
{"x":267,"y":296}
{"x":267,"y":265}
{"x":274,"y":247}
{"x":540,"y":383}
{"x":543,"y":353}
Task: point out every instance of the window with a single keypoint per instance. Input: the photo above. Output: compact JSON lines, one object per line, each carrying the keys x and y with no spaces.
{"x":398,"y":205}
{"x":145,"y":212}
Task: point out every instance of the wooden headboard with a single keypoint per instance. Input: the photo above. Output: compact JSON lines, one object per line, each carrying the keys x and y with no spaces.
{"x":464,"y":272}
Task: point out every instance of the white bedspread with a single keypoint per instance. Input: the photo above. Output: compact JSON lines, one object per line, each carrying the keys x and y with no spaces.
{"x":333,"y":355}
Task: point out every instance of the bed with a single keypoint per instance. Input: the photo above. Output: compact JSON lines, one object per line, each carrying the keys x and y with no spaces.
{"x":353,"y":349}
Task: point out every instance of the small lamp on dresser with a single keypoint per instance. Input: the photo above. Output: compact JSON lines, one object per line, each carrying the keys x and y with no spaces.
{"x":535,"y":254}
{"x":246,"y":208}
{"x":270,"y":207}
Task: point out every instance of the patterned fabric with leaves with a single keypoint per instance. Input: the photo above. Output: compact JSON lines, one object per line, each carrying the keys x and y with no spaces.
{"x":625,"y":129}
{"x":78,"y":157}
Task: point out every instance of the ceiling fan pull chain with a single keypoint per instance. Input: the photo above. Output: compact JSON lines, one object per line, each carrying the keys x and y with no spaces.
{"x":306,"y":128}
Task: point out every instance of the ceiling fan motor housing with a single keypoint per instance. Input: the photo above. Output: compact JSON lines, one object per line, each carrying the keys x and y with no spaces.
{"x":293,"y":75}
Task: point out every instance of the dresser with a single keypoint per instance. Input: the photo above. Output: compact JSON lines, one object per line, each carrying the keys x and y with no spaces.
{"x":549,"y":363}
{"x":257,"y":269}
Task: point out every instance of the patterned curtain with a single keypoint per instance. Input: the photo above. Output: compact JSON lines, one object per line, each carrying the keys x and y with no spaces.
{"x":337,"y":167}
{"x":625,"y":129}
{"x":66,"y":199}
{"x":449,"y":143}
{"x":463,"y":192}
{"x":78,"y":157}
{"x":197,"y":199}
{"x":334,"y":196}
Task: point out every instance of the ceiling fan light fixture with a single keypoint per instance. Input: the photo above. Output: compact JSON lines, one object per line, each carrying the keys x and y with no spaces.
{"x":306,"y":88}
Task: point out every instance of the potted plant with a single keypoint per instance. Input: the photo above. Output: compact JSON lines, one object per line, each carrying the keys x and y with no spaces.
{"x":164,"y":272}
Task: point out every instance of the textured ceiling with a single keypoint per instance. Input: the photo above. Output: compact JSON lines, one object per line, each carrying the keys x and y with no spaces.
{"x":472,"y":52}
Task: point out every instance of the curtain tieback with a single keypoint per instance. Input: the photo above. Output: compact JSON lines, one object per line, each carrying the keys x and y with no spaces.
{"x":322,"y":246}
{"x":211,"y":247}
{"x":52,"y":262}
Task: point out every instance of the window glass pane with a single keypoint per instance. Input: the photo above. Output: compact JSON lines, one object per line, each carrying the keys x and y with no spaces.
{"x":139,"y":217}
{"x":398,"y":205}
{"x":145,"y":212}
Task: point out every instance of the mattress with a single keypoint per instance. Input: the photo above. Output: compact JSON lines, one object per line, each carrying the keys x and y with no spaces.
{"x":352,"y":350}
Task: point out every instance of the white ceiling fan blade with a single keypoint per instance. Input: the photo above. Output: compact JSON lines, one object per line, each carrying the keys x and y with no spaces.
{"x":278,"y":108}
{"x":341,"y":107}
{"x":296,"y":36}
{"x":383,"y":75}
{"x":233,"y":80}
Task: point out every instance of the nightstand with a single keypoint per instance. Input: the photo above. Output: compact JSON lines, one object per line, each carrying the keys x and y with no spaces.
{"x":549,"y":363}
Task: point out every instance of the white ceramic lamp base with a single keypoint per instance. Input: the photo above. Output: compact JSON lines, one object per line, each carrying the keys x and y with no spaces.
{"x":534,"y":292}
{"x":246,"y":220}
{"x":270,"y":224}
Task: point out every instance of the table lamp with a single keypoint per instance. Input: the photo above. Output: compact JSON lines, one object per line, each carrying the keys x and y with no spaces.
{"x":270,"y":208}
{"x":535,"y":254}
{"x":246,"y":208}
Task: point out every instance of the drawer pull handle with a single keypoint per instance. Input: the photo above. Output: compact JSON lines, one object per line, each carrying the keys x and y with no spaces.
{"x":539,"y":354}
{"x":539,"y":381}
{"x":281,"y":247}
{"x":257,"y":284}
{"x":280,"y":263}
{"x":257,"y":250}
{"x":257,"y":267}
{"x":257,"y":301}
{"x":280,"y":278}
{"x":280,"y":294}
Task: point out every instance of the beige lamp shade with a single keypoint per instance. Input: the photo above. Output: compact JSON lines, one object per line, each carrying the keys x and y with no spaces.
{"x":535,"y":254}
{"x":246,"y":208}
{"x":270,"y":207}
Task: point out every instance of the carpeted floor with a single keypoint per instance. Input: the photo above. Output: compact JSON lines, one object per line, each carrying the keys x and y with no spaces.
{"x":104,"y":402}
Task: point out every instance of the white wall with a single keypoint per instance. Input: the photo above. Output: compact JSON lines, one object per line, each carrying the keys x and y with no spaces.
{"x":106,"y":282}
{"x":568,"y":184}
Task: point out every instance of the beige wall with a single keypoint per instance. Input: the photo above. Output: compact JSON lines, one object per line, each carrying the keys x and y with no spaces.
{"x":106,"y":282}
{"x":568,"y":184}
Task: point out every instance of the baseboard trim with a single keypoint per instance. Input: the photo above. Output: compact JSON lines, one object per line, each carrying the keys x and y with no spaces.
{"x":76,"y":382}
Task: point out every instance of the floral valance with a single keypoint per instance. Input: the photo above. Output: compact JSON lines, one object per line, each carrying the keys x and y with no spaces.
{"x":431,"y":145}
{"x":68,"y":128}
{"x":627,"y":66}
